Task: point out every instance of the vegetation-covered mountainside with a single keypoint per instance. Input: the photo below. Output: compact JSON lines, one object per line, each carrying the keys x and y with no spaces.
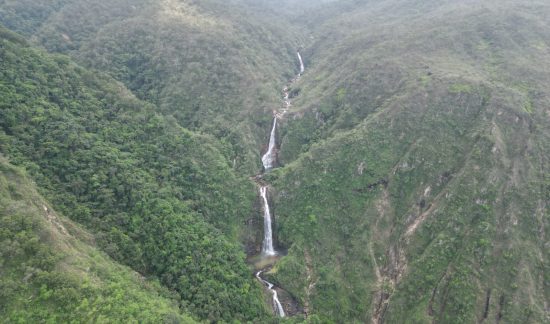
{"x":215,"y":66}
{"x":413,"y":180}
{"x":52,"y":272}
{"x":150,"y":190}
{"x":416,"y":184}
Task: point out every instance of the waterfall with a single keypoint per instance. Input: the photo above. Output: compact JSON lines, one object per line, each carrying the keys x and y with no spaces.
{"x":269,"y":158}
{"x":276,"y":303}
{"x":267,"y":246}
{"x":302,"y":68}
{"x":267,"y":249}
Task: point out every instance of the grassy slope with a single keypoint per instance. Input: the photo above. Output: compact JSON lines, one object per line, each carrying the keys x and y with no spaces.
{"x":161,"y":199}
{"x":52,"y":272}
{"x":415,"y":175}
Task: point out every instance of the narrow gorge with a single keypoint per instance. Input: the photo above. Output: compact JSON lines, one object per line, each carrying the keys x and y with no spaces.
{"x":269,"y":162}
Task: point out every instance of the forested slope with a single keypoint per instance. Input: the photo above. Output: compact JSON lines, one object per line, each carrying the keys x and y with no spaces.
{"x":216,"y":66}
{"x":416,"y":183}
{"x":159,"y":198}
{"x":52,"y":272}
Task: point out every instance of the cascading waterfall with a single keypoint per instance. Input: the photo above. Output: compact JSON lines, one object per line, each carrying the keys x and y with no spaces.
{"x":269,"y":158}
{"x":267,"y":246}
{"x":302,"y":68}
{"x":276,"y":303}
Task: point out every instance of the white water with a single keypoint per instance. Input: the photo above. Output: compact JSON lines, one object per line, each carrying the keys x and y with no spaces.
{"x":267,"y":246}
{"x":268,"y":160}
{"x":302,"y":68}
{"x":276,"y":303}
{"x":286,"y":99}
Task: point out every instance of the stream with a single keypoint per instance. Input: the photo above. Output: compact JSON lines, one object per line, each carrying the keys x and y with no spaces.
{"x":269,"y":161}
{"x":276,"y":303}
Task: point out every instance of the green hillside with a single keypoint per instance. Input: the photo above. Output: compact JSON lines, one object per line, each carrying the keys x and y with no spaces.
{"x":412,"y":182}
{"x":52,"y":271}
{"x":417,"y":173}
{"x":159,"y":198}
{"x":199,"y":62}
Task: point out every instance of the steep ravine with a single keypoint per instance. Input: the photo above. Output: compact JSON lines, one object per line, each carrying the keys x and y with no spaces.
{"x":269,"y":255}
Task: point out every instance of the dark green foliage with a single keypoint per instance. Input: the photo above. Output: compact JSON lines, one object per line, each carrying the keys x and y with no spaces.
{"x":200,"y":62}
{"x":49,"y":275}
{"x":149,"y":189}
{"x":26,"y":16}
